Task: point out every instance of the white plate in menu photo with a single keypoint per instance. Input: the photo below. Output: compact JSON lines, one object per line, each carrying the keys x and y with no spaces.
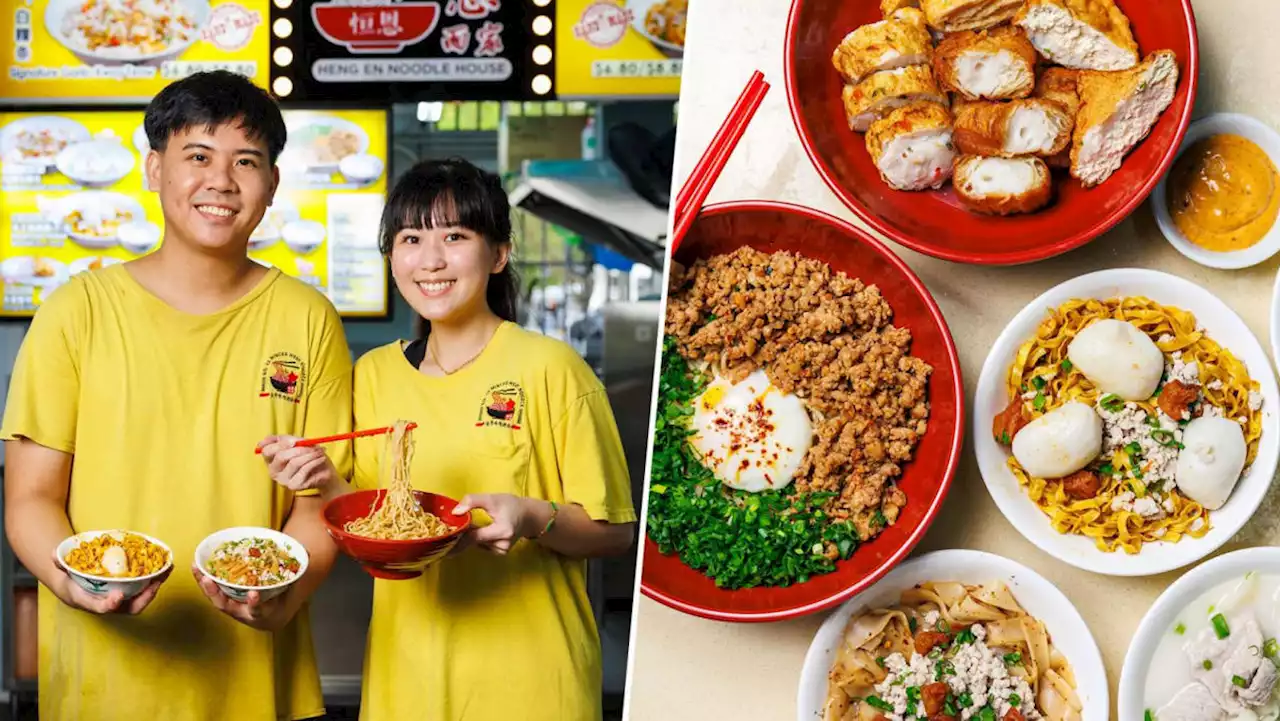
{"x":318,"y":143}
{"x":93,"y":218}
{"x":97,"y":32}
{"x":36,"y":141}
{"x":1222,"y":325}
{"x":91,"y":263}
{"x":96,"y":163}
{"x":303,"y":236}
{"x":34,"y":271}
{"x":661,"y":22}
{"x":1209,"y":641}
{"x":1038,"y":597}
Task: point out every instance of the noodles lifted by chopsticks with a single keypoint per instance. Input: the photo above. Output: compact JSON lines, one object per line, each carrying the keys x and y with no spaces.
{"x":399,"y":517}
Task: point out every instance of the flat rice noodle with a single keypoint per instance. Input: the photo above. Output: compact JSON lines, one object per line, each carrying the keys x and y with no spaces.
{"x":837,"y":704}
{"x":1057,"y":700}
{"x":998,"y":595}
{"x":1038,"y":642}
{"x":971,"y":610}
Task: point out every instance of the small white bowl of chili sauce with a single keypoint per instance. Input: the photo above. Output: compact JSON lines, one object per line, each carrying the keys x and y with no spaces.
{"x":1218,"y":204}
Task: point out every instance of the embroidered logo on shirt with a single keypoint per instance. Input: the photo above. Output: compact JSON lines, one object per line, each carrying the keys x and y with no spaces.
{"x":283,"y":376}
{"x":502,"y":406}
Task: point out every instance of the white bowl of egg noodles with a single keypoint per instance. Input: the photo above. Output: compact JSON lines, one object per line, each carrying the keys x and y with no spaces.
{"x":1138,"y":518}
{"x":1044,"y":650}
{"x":246,"y":559}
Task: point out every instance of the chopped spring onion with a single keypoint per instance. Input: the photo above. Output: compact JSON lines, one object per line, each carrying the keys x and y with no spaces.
{"x":1239,"y":681}
{"x":1038,"y":402}
{"x":1013,"y":658}
{"x":1066,"y":365}
{"x":1148,"y":716}
{"x":1220,"y":627}
{"x":1133,"y":449}
{"x":1015,"y":700}
{"x":1180,"y":629}
{"x":1038,"y":382}
{"x":943,"y":626}
{"x":878,"y":703}
{"x":1208,"y":665}
{"x":1166,"y":439}
{"x":1112,"y":402}
{"x":1270,"y":648}
{"x":965,"y":636}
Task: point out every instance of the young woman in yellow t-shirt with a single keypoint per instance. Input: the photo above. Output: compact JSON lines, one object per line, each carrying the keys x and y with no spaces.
{"x":510,"y":422}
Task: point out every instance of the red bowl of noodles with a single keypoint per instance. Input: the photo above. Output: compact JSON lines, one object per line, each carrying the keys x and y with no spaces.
{"x":387,"y":558}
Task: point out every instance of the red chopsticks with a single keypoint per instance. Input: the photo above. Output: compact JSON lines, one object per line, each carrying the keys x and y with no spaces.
{"x":696,"y":187}
{"x":343,"y":436}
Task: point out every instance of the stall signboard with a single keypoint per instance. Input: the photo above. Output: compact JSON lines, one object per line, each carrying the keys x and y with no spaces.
{"x":74,"y":198}
{"x":378,"y":51}
{"x":619,"y":48}
{"x":108,"y":52}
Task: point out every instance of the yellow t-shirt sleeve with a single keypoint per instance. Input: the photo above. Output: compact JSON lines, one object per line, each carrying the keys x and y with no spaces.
{"x":593,"y":467}
{"x":365,"y":466}
{"x":44,"y":391}
{"x":329,"y":402}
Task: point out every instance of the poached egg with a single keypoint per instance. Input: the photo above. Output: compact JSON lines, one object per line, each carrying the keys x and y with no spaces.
{"x":751,"y":434}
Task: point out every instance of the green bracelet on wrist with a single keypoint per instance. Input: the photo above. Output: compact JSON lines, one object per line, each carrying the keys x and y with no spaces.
{"x":555,"y":511}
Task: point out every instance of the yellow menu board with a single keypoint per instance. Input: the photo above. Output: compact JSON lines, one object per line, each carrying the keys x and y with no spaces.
{"x":73,"y":198}
{"x":619,"y":48}
{"x":109,"y":51}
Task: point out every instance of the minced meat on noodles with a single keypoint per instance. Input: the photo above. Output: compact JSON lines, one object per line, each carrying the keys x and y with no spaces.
{"x":828,"y":339}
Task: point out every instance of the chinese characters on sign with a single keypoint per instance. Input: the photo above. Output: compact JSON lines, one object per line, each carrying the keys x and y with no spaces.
{"x":387,"y":51}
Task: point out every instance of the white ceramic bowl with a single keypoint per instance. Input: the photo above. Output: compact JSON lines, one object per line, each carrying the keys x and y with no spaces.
{"x":303,"y":236}
{"x":104,"y":585}
{"x":1037,"y":596}
{"x":1236,"y":124}
{"x":1222,"y":325}
{"x":361,"y":168}
{"x":57,"y":10}
{"x":67,"y":129}
{"x":1163,"y":614}
{"x":139,"y":237}
{"x":238,"y":592}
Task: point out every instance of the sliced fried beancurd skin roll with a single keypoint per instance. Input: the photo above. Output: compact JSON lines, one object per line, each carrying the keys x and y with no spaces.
{"x":950,"y":16}
{"x":1020,"y":127}
{"x":996,"y":64}
{"x":1058,"y":85}
{"x":1117,"y":110}
{"x":911,"y":146}
{"x":1080,"y":34}
{"x":880,"y":93}
{"x":897,"y":42}
{"x":1002,"y":186}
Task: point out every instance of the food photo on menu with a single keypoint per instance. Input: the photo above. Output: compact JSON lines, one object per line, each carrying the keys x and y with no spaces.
{"x":75,"y":198}
{"x":1089,"y":531}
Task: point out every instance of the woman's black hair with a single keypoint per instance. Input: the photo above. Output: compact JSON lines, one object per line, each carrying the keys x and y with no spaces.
{"x":454,"y":192}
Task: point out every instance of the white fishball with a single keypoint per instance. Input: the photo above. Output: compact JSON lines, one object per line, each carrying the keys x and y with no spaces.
{"x":1118,"y":358}
{"x":1059,"y":443}
{"x":1211,"y":461}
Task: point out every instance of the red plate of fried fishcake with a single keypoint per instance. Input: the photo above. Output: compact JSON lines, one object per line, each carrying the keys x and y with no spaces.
{"x":991,"y":131}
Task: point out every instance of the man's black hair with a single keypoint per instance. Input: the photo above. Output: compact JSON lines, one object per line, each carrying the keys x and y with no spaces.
{"x":213,"y":99}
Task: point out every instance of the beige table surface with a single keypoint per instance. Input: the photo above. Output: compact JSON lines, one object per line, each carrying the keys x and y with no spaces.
{"x":689,"y":668}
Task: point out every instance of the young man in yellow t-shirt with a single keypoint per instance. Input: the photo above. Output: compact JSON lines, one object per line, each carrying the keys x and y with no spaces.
{"x":137,"y":399}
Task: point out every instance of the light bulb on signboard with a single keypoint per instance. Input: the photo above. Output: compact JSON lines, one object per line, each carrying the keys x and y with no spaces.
{"x":542,"y":3}
{"x":541,"y":25}
{"x":283,"y":56}
{"x":282,"y":86}
{"x":541,"y":84}
{"x":282,"y":28}
{"x":542,"y":54}
{"x":430,"y":112}
{"x":283,"y":4}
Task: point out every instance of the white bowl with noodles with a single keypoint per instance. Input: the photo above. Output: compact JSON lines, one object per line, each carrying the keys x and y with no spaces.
{"x":240,"y":592}
{"x":102,"y":585}
{"x":1222,"y":325}
{"x":1038,"y":597}
{"x":1152,"y":673}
